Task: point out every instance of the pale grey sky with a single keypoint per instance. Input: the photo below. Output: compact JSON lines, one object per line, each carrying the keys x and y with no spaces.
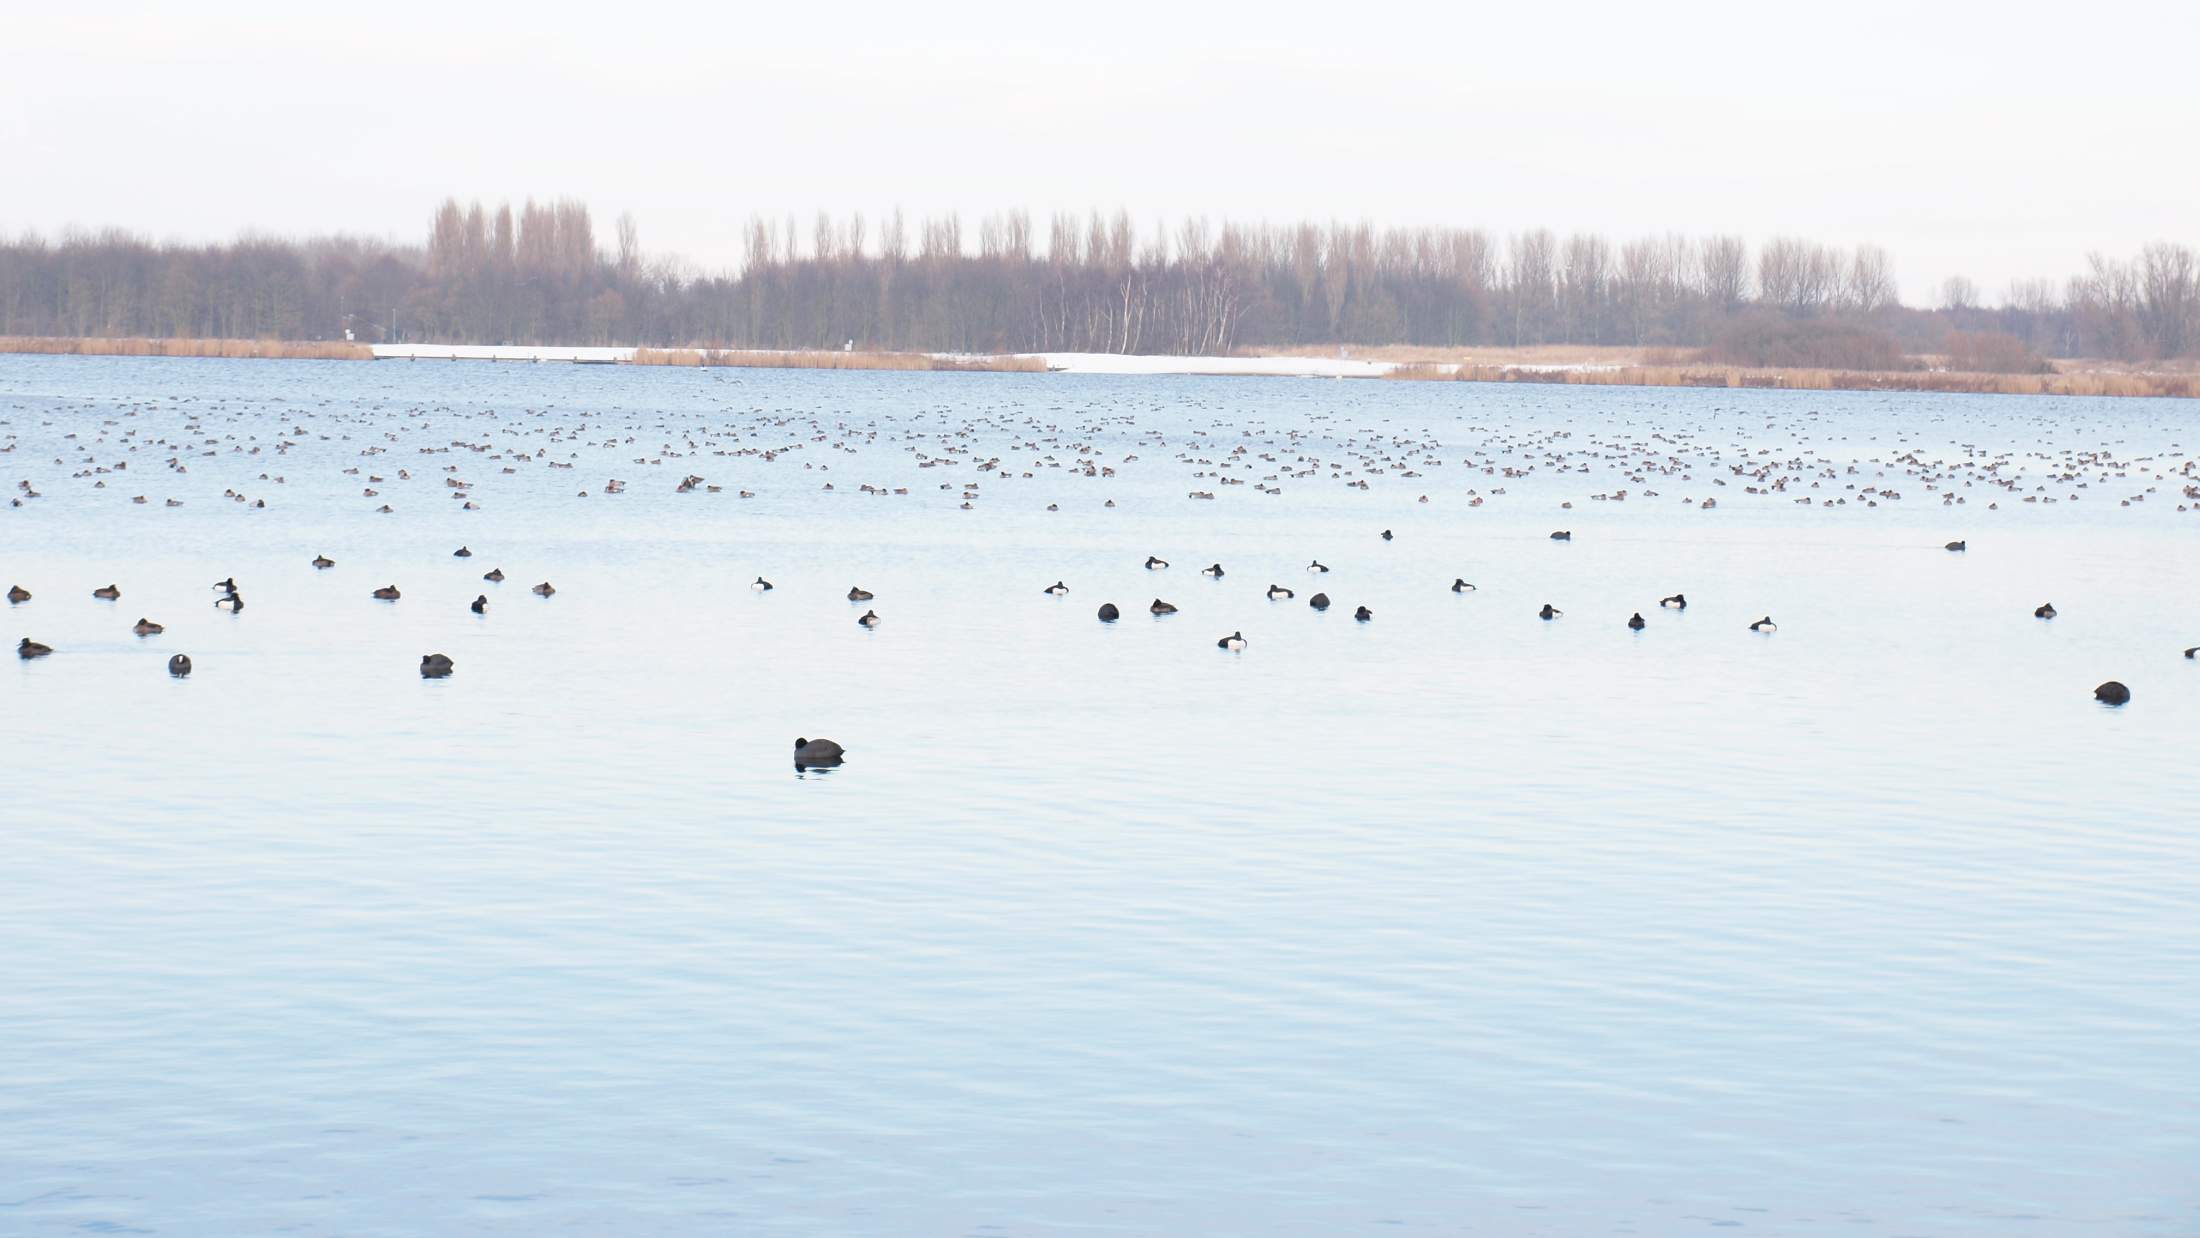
{"x":2000,"y":142}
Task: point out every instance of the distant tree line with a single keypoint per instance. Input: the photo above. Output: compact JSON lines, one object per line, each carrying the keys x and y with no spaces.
{"x":1091,"y":283}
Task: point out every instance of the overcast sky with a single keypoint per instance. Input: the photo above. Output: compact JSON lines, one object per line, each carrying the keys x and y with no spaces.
{"x":2000,"y":142}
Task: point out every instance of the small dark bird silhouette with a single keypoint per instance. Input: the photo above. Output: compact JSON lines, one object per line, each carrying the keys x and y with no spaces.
{"x":29,"y":649}
{"x":435,"y":666}
{"x":1319,"y":601}
{"x":1057,"y":588}
{"x":1764,"y":625}
{"x":1460,"y":585}
{"x":2112,"y":693}
{"x":760,"y":584}
{"x":1214,"y":571}
{"x":146,"y":627}
{"x":462,"y":553}
{"x":870,"y":619}
{"x":816,"y":753}
{"x":1154,"y":565}
{"x":1160,"y":607}
{"x":17,"y":595}
{"x":387,"y":593}
{"x":1676,"y":602}
{"x":481,"y":605}
{"x":859,"y":595}
{"x":1277,"y":593}
{"x":1549,"y":612}
{"x":109,"y":592}
{"x":2044,"y":611}
{"x":1956,"y":545}
{"x":494,"y":575}
{"x":322,"y":563}
{"x":1363,"y":614}
{"x":179,"y":666}
{"x":1386,"y":535}
{"x":1563,"y":535}
{"x":1108,"y":612}
{"x":1234,"y":642}
{"x":1636,"y":624}
{"x":543,"y":590}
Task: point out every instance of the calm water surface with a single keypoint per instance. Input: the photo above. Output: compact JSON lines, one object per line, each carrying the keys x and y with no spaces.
{"x":1456,"y":921}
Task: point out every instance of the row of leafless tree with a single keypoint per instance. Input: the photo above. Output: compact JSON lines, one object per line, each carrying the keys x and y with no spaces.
{"x":1083,"y":283}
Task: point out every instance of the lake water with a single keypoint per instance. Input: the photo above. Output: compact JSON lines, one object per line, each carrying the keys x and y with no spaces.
{"x":1454,"y":921}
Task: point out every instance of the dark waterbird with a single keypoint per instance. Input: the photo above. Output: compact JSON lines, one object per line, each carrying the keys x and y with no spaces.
{"x":17,"y":595}
{"x":231,"y":602}
{"x":816,"y":753}
{"x":1676,"y":602}
{"x":1057,"y":589}
{"x":1363,"y":614}
{"x":229,"y":585}
{"x":1160,"y":607}
{"x":1386,"y":535}
{"x":494,"y":575}
{"x":481,"y":604}
{"x":2112,"y":693}
{"x":759,"y":584}
{"x":543,"y":590}
{"x":1234,"y":642}
{"x":1108,"y":612}
{"x":146,"y":627}
{"x":1764,"y":625}
{"x":1635,"y":624}
{"x":110,"y":593}
{"x":856,"y":594}
{"x":1459,"y":585}
{"x":1277,"y":593}
{"x":387,"y":593}
{"x":1154,"y":564}
{"x":1316,"y":566}
{"x":2046,"y":610}
{"x":1549,"y":612}
{"x":1214,"y":571}
{"x":1563,"y":535}
{"x":1956,"y":546}
{"x":434,"y":666}
{"x":870,"y":619}
{"x":462,"y":553}
{"x":1319,"y":601}
{"x":179,"y":666}
{"x":322,"y":563}
{"x":29,"y":648}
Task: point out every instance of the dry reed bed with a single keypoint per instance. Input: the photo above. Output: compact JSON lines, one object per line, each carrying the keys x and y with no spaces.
{"x":2087,"y":383}
{"x":825,"y":359}
{"x":97,"y":346}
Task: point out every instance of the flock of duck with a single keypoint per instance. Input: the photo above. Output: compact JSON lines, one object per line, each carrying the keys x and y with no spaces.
{"x":1555,"y":446}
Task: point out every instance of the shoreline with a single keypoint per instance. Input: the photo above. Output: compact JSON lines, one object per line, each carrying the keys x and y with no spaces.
{"x":1585,"y":366}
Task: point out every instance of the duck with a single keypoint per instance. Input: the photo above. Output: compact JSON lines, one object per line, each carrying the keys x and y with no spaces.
{"x":231,"y":602}
{"x":1214,"y":571}
{"x":1676,"y":602}
{"x":1563,"y":535}
{"x":1319,"y":601}
{"x":1764,"y":625}
{"x":387,"y":593}
{"x":1316,"y":566}
{"x":543,"y":590}
{"x":462,"y":553}
{"x":859,"y":595}
{"x":760,"y":584}
{"x":322,"y":563}
{"x":226,"y":586}
{"x":816,"y":752}
{"x":435,"y":666}
{"x":1636,"y":624}
{"x":2189,"y":653}
{"x":1160,"y":607}
{"x":1154,"y":564}
{"x":1549,"y":612}
{"x":1234,"y":642}
{"x":870,"y":619}
{"x":494,"y":575}
{"x":1459,"y":585}
{"x":146,"y":627}
{"x":480,"y":605}
{"x":2046,"y":610}
{"x":109,"y":592}
{"x":179,"y":666}
{"x":28,"y":649}
{"x":1108,"y":612}
{"x":1363,"y":614}
{"x":1277,"y":593}
{"x":2112,"y":693}
{"x":1956,"y":546}
{"x":17,"y":595}
{"x":1057,"y":589}
{"x":1386,"y":535}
